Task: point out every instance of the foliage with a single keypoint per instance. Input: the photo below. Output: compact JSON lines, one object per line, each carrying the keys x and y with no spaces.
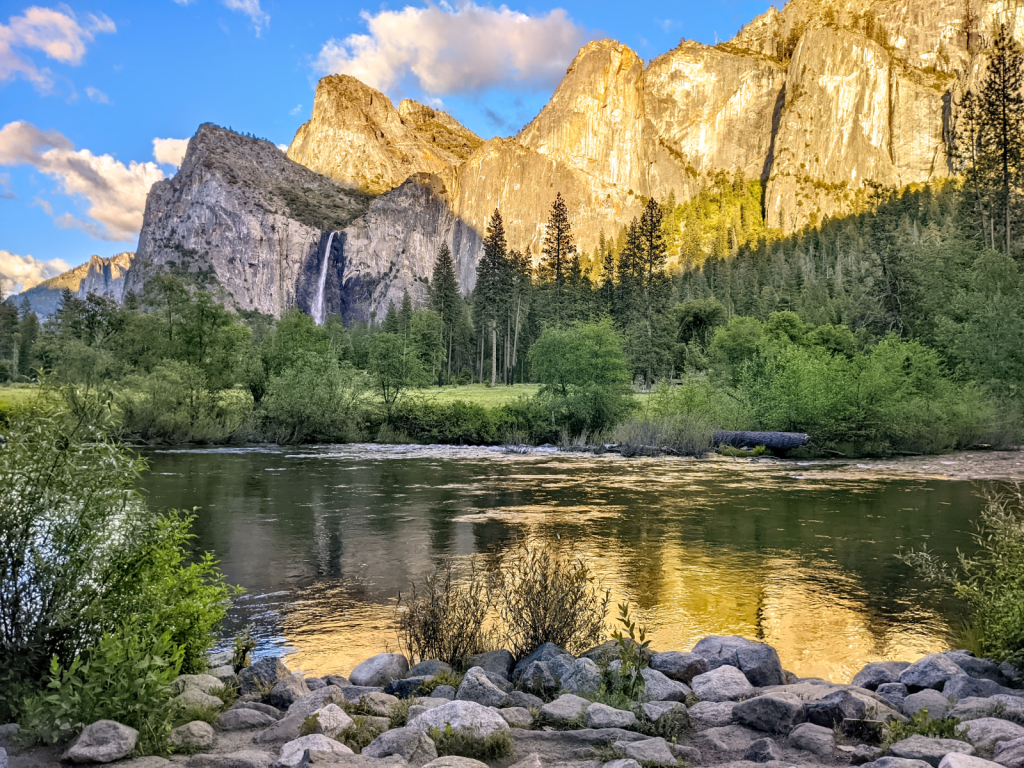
{"x":922,"y":724}
{"x":394,"y":366}
{"x":633,"y":655}
{"x":462,"y":743}
{"x":549,"y":595}
{"x":443,"y":678}
{"x":990,"y":582}
{"x":442,"y":618}
{"x":360,"y":734}
{"x":241,"y":647}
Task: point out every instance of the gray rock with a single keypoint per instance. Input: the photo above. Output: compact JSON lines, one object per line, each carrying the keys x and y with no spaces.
{"x":1012,"y":674}
{"x":986,"y":732}
{"x":964,"y":687}
{"x":500,"y":662}
{"x":151,"y":761}
{"x":625,"y":762}
{"x":356,"y":692}
{"x":758,"y":661}
{"x":530,"y":761}
{"x":727,"y":738}
{"x":878,"y":672}
{"x":1005,"y":707}
{"x":102,"y":742}
{"x":862,"y":753}
{"x":292,"y":753}
{"x":655,"y":710}
{"x":956,"y":760}
{"x":193,"y":697}
{"x":380,"y":670}
{"x":476,"y":720}
{"x":538,"y":676}
{"x":339,"y":680}
{"x":380,"y":704}
{"x":659,"y":687}
{"x":224,"y":674}
{"x":407,"y":687}
{"x":3,"y":758}
{"x":770,"y":712}
{"x":894,"y":693}
{"x":814,"y":738}
{"x":262,"y":676}
{"x":476,"y":686}
{"x":831,"y":710}
{"x":332,"y":720}
{"x":204,"y":683}
{"x":266,"y":709}
{"x":192,"y":736}
{"x":928,"y":749}
{"x":983,"y":669}
{"x":680,"y":666}
{"x":648,"y":751}
{"x":414,"y":746}
{"x":242,"y":759}
{"x":763,"y":751}
{"x":723,"y":683}
{"x":444,"y":692}
{"x":312,"y":701}
{"x":287,"y":728}
{"x":546,"y":652}
{"x":285,"y":692}
{"x":315,"y":683}
{"x":243,"y":719}
{"x":897,"y":762}
{"x":711,"y":714}
{"x":516,"y":717}
{"x":930,"y":699}
{"x":8,"y":731}
{"x":455,"y":762}
{"x":610,"y":650}
{"x":602,"y":716}
{"x":1010,"y":754}
{"x":565,"y":709}
{"x":525,"y":700}
{"x":584,"y":677}
{"x":432,"y":668}
{"x":930,"y":672}
{"x":690,"y":755}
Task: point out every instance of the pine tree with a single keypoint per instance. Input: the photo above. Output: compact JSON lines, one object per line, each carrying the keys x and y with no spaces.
{"x":493,"y":278}
{"x":445,"y":298}
{"x":405,"y":315}
{"x":558,"y":251}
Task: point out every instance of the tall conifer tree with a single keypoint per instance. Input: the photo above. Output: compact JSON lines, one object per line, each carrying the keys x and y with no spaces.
{"x":558,"y":251}
{"x":445,"y":298}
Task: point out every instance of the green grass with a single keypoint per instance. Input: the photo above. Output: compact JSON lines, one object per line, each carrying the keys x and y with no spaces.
{"x":480,"y":394}
{"x":11,"y":396}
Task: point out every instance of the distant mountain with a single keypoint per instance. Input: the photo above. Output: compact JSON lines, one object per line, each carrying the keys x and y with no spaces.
{"x":104,"y":277}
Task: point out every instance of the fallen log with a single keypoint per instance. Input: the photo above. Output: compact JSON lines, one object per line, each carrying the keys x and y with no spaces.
{"x":777,"y":441}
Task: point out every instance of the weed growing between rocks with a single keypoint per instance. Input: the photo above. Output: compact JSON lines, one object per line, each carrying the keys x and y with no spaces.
{"x":461,"y":743}
{"x":310,"y":725}
{"x":193,"y":712}
{"x":453,"y":679}
{"x":922,"y":724}
{"x":671,"y":726}
{"x":399,"y":714}
{"x":360,"y":734}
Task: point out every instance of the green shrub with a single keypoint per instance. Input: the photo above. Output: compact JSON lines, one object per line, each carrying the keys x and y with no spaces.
{"x":360,"y":734}
{"x":461,"y":743}
{"x":633,"y":656}
{"x":680,"y":435}
{"x":922,"y":724}
{"x":444,"y":678}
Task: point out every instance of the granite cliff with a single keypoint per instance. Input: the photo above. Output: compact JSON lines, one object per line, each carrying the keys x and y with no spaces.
{"x":103,"y":277}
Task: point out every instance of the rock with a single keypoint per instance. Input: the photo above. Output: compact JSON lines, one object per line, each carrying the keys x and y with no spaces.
{"x":332,"y":720}
{"x":623,"y":763}
{"x":689,"y":755}
{"x":814,"y":738}
{"x":380,"y":724}
{"x":406,"y":688}
{"x":584,"y":677}
{"x":682,"y":667}
{"x":477,"y":720}
{"x":139,"y":762}
{"x":723,"y":683}
{"x":1010,"y":753}
{"x":659,"y":687}
{"x":286,"y":691}
{"x":956,"y":760}
{"x":711,"y":714}
{"x":525,"y":700}
{"x":655,"y":710}
{"x":986,"y":732}
{"x":565,"y":709}
{"x":339,"y":680}
{"x":894,"y":693}
{"x":243,"y":719}
{"x":8,"y":732}
{"x":897,"y":762}
{"x":204,"y":683}
{"x":602,"y":716}
{"x":500,"y":662}
{"x":380,"y":670}
{"x":241,"y":759}
{"x":878,"y":672}
{"x":315,"y":683}
{"x":546,"y":652}
{"x":648,"y":751}
{"x":1012,"y":674}
{"x":983,"y":669}
{"x":530,"y":761}
{"x":609,"y":651}
{"x":192,"y":736}
{"x":266,"y":709}
{"x":928,"y":749}
{"x":763,"y":751}
{"x":1005,"y":707}
{"x":862,"y":753}
{"x":287,"y":728}
{"x":831,"y":710}
{"x":414,"y":746}
{"x":356,"y":692}
{"x":476,"y":686}
{"x":223,"y":674}
{"x":433,"y":668}
{"x":312,"y":701}
{"x":964,"y":687}
{"x":262,"y":676}
{"x":727,"y":738}
{"x":219,"y":658}
{"x":444,"y":692}
{"x":455,"y":762}
{"x":758,"y":661}
{"x":770,"y":712}
{"x":3,"y":758}
{"x":193,"y":697}
{"x":292,"y":753}
{"x":102,"y":742}
{"x":516,"y":717}
{"x":930,"y":699}
{"x":930,"y":672}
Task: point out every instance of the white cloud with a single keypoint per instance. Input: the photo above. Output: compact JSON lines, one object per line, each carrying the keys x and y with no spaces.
{"x":116,"y":193}
{"x":19,"y":273}
{"x":250,"y":8}
{"x":96,"y":95}
{"x":58,"y":33}
{"x":6,"y":193}
{"x":295,"y":110}
{"x":169,"y":151}
{"x":283,"y":147}
{"x":457,"y":50}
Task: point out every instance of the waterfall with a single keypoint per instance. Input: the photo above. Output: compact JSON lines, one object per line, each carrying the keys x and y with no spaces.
{"x":319,"y":315}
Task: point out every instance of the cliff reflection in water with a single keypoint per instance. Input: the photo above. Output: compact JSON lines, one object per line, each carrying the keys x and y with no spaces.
{"x":325,"y":540}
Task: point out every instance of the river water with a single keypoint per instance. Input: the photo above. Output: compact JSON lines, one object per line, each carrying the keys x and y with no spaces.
{"x":799,"y":554}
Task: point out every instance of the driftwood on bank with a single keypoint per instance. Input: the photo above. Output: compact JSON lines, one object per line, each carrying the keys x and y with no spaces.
{"x":777,"y":441}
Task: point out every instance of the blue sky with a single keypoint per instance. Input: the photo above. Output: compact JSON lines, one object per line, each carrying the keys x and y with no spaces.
{"x":87,"y":86}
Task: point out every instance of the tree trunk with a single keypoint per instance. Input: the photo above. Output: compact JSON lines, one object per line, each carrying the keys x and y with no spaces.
{"x":494,"y":354}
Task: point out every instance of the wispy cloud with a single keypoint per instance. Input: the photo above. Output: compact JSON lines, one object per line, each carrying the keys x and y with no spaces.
{"x":19,"y":273}
{"x":250,"y":8}
{"x":453,"y":50}
{"x":6,"y":193}
{"x":96,"y":95}
{"x":116,"y":193}
{"x":295,"y":110}
{"x":58,"y":33}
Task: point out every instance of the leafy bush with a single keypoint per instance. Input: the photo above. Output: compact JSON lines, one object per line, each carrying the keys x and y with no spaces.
{"x":991,"y":582}
{"x":922,"y":724}
{"x":444,"y":678}
{"x":689,"y":435}
{"x":548,"y":594}
{"x":126,"y":677}
{"x":360,"y":734}
{"x":462,"y":743}
{"x":633,"y":655}
{"x":444,"y":619}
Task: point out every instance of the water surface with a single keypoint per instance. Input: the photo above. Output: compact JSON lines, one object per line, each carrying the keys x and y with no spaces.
{"x":798,"y":554}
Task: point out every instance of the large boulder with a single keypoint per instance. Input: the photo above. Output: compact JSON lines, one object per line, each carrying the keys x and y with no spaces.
{"x":455,"y":762}
{"x":585,"y":677}
{"x":193,"y":697}
{"x":204,"y":683}
{"x":192,"y":737}
{"x":292,"y":753}
{"x":412,"y":745}
{"x":727,"y":738}
{"x":1006,"y":707}
{"x":476,"y":686}
{"x":930,"y":750}
{"x":659,"y":687}
{"x":711,"y":714}
{"x":102,"y":742}
{"x":930,"y":699}
{"x":408,"y":687}
{"x":770,"y":712}
{"x":983,"y":669}
{"x":332,"y":720}
{"x":243,"y":719}
{"x":956,"y":760}
{"x":763,"y":751}
{"x":814,"y":738}
{"x":259,"y":706}
{"x":1010,"y":754}
{"x":723,"y":683}
{"x":548,"y":652}
{"x":500,"y":662}
{"x":655,"y":710}
{"x":648,"y":752}
{"x":468,"y":716}
{"x":516,"y":717}
{"x":894,"y":693}
{"x":680,"y":666}
{"x":564,"y":710}
{"x":758,"y":661}
{"x":602,"y":716}
{"x":965,"y":686}
{"x":286,"y":691}
{"x":433,"y":668}
{"x":986,"y":732}
{"x":878,"y":672}
{"x":380,"y":670}
{"x":831,"y":710}
{"x":932,"y":671}
{"x":262,"y":676}
{"x":381,"y":704}
{"x":610,"y":650}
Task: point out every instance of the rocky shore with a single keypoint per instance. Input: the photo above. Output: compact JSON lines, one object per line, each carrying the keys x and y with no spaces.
{"x":728,"y":702}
